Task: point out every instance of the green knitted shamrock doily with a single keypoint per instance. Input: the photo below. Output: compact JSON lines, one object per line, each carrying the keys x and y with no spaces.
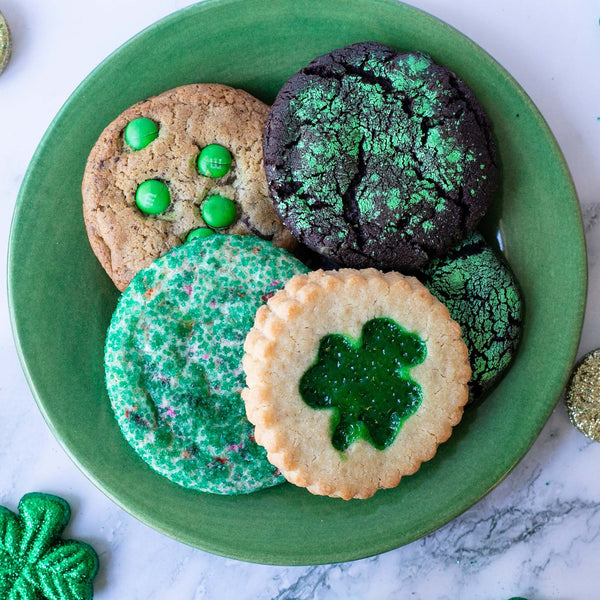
{"x":35,"y":562}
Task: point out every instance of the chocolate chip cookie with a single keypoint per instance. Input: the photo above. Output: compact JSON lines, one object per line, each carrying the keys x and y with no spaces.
{"x":188,"y":159}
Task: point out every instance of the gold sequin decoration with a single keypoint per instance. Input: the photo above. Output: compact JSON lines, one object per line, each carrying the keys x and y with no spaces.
{"x":5,"y":43}
{"x":583,"y":395}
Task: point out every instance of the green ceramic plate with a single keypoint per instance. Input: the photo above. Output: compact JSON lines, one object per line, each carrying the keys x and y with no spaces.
{"x":61,"y":300}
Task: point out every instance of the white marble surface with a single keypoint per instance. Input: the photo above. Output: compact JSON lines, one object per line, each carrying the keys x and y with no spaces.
{"x":536,"y":535}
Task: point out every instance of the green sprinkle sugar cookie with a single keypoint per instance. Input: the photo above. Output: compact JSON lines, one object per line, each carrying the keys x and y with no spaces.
{"x":173,"y":361}
{"x":5,"y":43}
{"x":36,"y":563}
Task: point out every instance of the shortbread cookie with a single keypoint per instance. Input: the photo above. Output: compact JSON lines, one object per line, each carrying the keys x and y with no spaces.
{"x":484,"y":298}
{"x":377,"y":158}
{"x":173,"y":361}
{"x":353,"y":379}
{"x":192,"y":158}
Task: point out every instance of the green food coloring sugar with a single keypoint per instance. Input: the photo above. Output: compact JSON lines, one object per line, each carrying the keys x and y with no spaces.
{"x":366,"y":382}
{"x":140,"y":132}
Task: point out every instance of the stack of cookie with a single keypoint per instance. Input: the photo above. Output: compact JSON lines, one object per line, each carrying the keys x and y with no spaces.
{"x":378,"y":163}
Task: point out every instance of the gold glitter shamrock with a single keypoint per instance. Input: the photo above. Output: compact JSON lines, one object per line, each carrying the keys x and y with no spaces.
{"x":366,"y":382}
{"x":35,"y":562}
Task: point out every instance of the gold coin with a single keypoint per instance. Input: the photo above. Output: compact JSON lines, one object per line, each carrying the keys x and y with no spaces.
{"x":583,"y":395}
{"x":5,"y":43}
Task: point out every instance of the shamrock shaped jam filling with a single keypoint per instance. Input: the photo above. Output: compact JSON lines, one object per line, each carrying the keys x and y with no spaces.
{"x":366,"y":382}
{"x":35,"y":562}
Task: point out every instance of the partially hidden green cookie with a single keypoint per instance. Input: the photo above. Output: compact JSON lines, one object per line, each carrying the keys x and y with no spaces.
{"x":36,"y":563}
{"x":173,"y":361}
{"x":484,"y":298}
{"x":187,"y":159}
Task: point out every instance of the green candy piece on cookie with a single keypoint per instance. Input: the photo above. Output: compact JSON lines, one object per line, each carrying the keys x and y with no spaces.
{"x":218,"y":211}
{"x":200,"y":233}
{"x":173,"y":361}
{"x":214,"y":161}
{"x":140,"y":132}
{"x":36,"y":563}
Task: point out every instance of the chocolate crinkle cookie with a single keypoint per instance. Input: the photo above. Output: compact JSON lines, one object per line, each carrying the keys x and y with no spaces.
{"x":484,"y":298}
{"x":379,"y":158}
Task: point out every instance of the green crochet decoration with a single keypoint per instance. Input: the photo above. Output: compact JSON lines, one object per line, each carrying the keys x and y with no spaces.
{"x":35,"y":562}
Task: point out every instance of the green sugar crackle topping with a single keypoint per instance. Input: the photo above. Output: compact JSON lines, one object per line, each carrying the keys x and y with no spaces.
{"x":366,"y":382}
{"x":36,"y":563}
{"x":372,"y":138}
{"x":379,"y":159}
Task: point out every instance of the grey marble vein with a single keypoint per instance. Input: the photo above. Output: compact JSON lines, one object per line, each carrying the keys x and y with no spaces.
{"x":307,"y":585}
{"x":590,"y":213}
